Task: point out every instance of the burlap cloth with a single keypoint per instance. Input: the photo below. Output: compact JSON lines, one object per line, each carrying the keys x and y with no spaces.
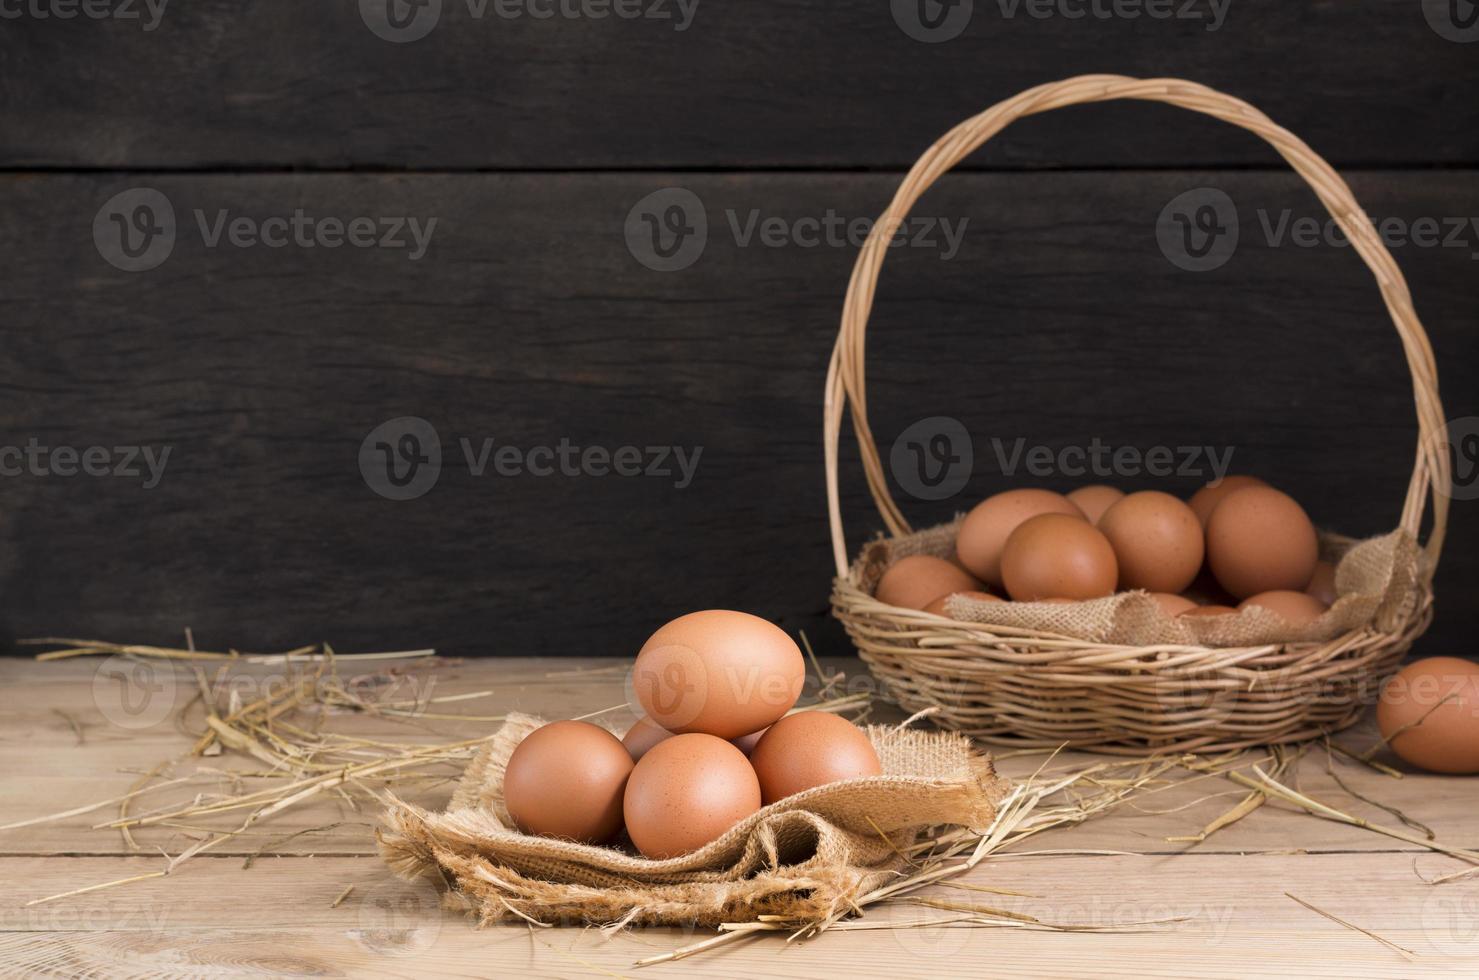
{"x":803,"y":857}
{"x":1376,"y":583}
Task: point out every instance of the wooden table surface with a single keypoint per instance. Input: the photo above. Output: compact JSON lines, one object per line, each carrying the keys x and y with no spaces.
{"x":67,"y":740}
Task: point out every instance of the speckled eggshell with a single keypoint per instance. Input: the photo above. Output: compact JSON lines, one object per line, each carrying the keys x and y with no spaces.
{"x":1205,"y":500}
{"x":984,"y":531}
{"x":1429,"y":715}
{"x":718,"y":672}
{"x":1260,"y":540}
{"x":810,"y":749}
{"x":687,"y":791}
{"x":1058,"y":556}
{"x":917,"y":580}
{"x":567,"y":779}
{"x":1157,"y":540}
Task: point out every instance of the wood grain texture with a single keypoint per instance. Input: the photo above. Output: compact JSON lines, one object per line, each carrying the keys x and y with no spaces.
{"x":1227,"y":901}
{"x":806,"y":83}
{"x":102,"y":767}
{"x":1057,"y":321}
{"x":275,"y":920}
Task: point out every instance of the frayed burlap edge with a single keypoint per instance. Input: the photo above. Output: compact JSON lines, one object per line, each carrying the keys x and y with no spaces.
{"x":805,"y":857}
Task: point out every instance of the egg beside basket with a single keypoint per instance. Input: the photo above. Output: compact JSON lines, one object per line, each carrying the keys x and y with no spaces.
{"x":1045,"y":677}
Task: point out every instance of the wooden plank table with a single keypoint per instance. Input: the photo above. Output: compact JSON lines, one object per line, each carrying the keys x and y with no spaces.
{"x":67,"y":739}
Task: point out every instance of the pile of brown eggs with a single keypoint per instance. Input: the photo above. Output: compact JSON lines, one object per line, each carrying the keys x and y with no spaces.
{"x":719,"y":741}
{"x":1237,"y":542}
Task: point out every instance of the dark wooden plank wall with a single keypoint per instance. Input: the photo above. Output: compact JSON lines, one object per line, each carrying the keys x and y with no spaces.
{"x":530,"y":319}
{"x":816,"y":83}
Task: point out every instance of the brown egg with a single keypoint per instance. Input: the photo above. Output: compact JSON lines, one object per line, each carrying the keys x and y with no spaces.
{"x":809,"y":749}
{"x":1259,"y":540}
{"x":686,"y":792}
{"x":938,"y":606}
{"x":1095,"y":500}
{"x":1055,"y":555}
{"x":1295,"y":608}
{"x":719,"y":672}
{"x":1157,"y":541}
{"x":1429,"y":714}
{"x":746,"y":743}
{"x":1322,"y":585}
{"x":984,"y":531}
{"x":1058,"y":601}
{"x":642,"y":736}
{"x":1213,"y":610}
{"x":566,"y":779}
{"x":1172,"y":605}
{"x":1205,"y":500}
{"x":916,"y":581}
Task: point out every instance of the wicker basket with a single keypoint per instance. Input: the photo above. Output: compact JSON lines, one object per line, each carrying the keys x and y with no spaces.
{"x":1030,"y":688}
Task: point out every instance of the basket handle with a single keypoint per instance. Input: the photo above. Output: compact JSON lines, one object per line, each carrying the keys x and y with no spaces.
{"x":845,"y":373}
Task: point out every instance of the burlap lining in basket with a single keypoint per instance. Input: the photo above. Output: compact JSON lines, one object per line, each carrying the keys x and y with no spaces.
{"x":1376,"y":583}
{"x":803,"y":857}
